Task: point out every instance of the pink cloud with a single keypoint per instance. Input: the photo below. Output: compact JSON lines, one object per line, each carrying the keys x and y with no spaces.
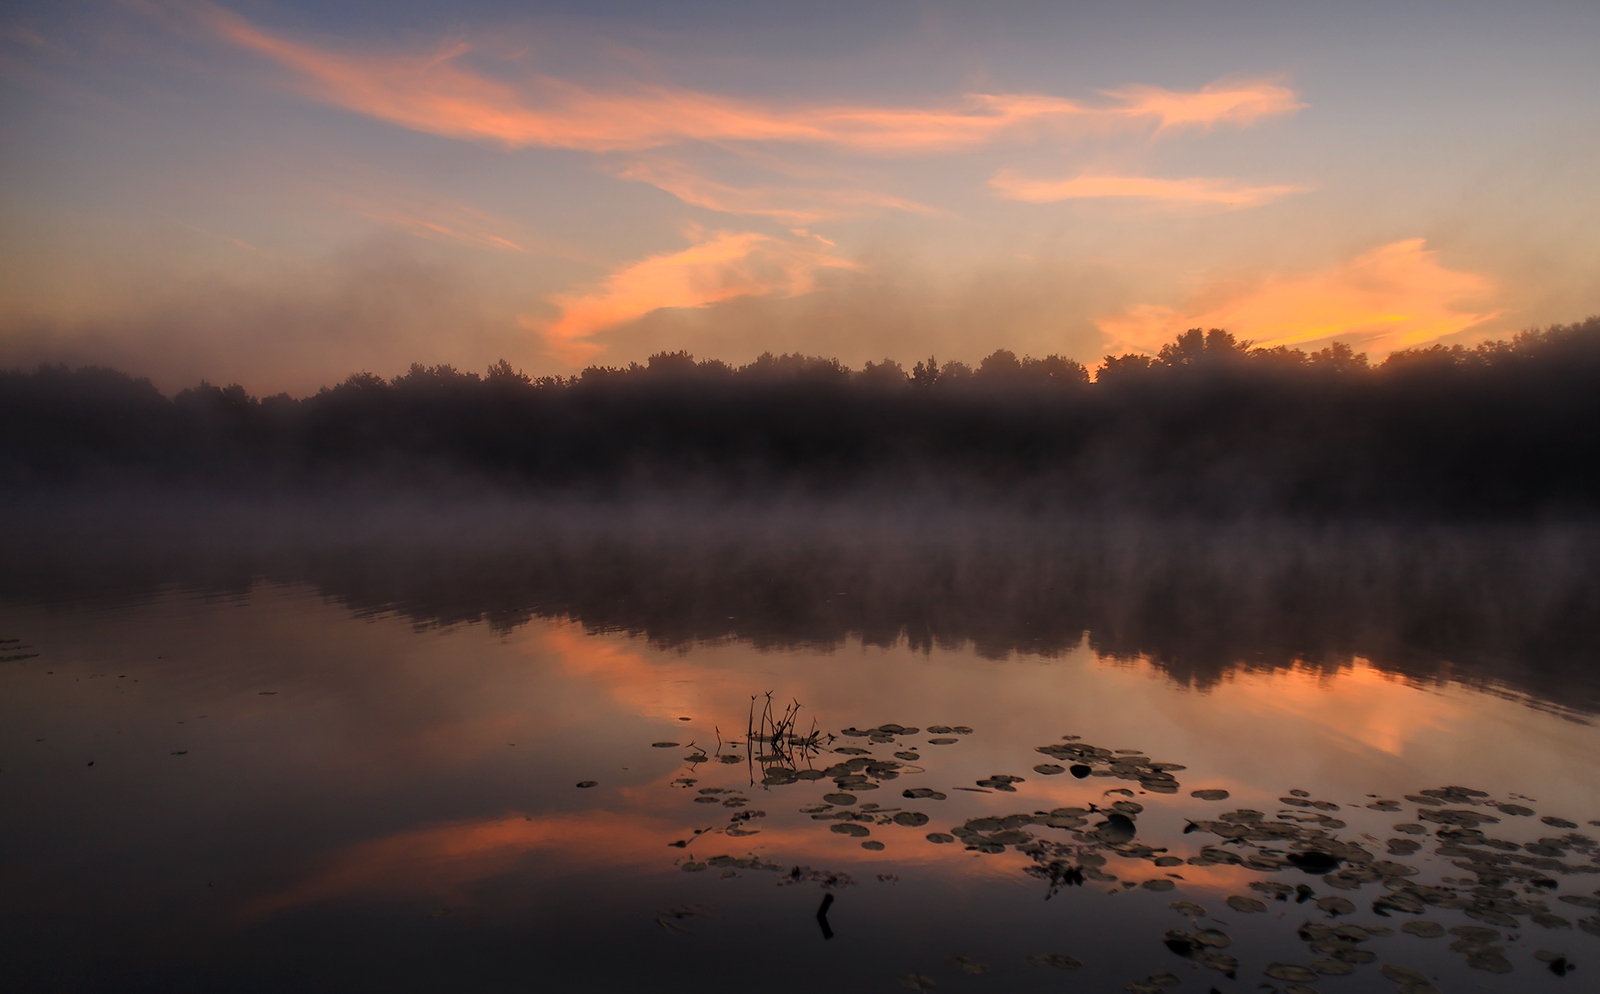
{"x":438,"y":94}
{"x":718,"y":267}
{"x":787,"y":204}
{"x":1240,"y":102}
{"x":1218,"y":192}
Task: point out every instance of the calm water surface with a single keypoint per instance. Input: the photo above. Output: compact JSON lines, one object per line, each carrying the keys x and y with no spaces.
{"x":274,"y":763}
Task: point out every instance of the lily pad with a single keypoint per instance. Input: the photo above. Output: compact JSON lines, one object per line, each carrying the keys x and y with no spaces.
{"x":854,"y":831}
{"x":1115,"y":830}
{"x":1250,"y":905}
{"x":1158,"y":885}
{"x":1336,"y":905}
{"x":664,"y":745}
{"x":1315,"y":862}
{"x":1049,"y":769}
{"x":1489,"y":960}
{"x":1291,"y":971}
{"x":588,"y":783}
{"x":1423,"y":930}
{"x":1060,"y":961}
{"x":843,"y":800}
{"x":1210,"y":795}
{"x":966,"y":964}
{"x":917,"y":982}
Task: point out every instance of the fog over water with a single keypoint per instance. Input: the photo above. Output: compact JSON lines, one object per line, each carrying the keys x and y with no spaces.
{"x":393,"y":743}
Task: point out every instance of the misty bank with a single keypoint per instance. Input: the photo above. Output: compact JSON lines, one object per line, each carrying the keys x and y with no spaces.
{"x":1209,"y":426}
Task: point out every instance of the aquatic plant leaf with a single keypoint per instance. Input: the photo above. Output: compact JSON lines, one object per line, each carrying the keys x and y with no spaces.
{"x":1423,"y":929}
{"x":1060,"y":961}
{"x":966,"y":964}
{"x":1290,"y":971}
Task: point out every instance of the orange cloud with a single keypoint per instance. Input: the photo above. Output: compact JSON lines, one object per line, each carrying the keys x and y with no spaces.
{"x":1241,"y":102}
{"x":1224,"y":193}
{"x":456,"y":224}
{"x":438,"y":95}
{"x":1393,"y":297}
{"x":719,"y":267}
{"x":789,"y":205}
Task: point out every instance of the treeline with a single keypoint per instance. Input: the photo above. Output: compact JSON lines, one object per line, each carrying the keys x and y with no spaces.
{"x":1208,"y":425}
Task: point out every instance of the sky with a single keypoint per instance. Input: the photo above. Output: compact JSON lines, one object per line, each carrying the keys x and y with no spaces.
{"x":281,"y":194}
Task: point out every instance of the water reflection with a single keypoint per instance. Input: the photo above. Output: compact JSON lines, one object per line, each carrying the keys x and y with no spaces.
{"x":1513,"y":608}
{"x":405,"y":752}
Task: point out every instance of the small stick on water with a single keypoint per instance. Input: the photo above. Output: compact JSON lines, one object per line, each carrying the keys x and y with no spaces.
{"x":822,"y":916}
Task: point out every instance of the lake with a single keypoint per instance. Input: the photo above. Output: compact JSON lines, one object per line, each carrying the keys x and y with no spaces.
{"x":481,"y":745}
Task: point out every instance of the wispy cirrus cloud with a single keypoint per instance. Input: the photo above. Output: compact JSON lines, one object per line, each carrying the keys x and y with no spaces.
{"x":1393,"y":297}
{"x":1238,"y":102}
{"x":442,"y":219}
{"x":439,"y":94}
{"x":719,"y":266}
{"x":791,"y":205}
{"x":1013,"y":185}
{"x":453,"y":223}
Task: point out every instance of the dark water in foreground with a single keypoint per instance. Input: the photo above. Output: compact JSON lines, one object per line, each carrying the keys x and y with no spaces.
{"x":343,"y":749}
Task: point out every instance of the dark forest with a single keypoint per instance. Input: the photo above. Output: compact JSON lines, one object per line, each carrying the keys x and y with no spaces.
{"x":1210,"y":425}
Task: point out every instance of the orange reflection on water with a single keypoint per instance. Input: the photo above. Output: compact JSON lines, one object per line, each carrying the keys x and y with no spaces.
{"x":441,"y":860}
{"x":1357,"y":706}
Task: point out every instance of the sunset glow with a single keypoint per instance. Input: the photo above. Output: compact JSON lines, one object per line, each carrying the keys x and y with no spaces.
{"x":1393,"y":297}
{"x":311,"y":194}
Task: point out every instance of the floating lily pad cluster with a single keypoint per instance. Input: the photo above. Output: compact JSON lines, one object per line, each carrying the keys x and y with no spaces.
{"x":1301,"y":837}
{"x":1298,"y":849}
{"x":855,"y":770}
{"x":1087,"y":760}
